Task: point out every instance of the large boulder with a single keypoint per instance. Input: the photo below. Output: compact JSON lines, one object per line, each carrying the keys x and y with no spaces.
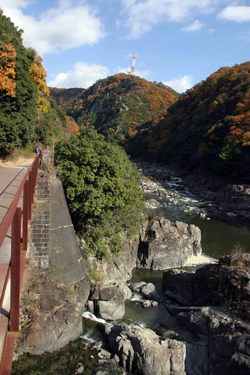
{"x":165,"y":244}
{"x":141,"y":351}
{"x":109,"y":300}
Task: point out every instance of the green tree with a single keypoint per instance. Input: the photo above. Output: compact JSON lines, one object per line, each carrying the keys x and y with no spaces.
{"x":102,"y":189}
{"x":17,"y":112}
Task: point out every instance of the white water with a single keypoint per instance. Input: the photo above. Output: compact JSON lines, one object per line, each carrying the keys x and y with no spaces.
{"x":91,"y":316}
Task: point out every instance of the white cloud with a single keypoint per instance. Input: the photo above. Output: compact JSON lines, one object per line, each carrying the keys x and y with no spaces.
{"x":142,"y":15}
{"x":81,"y":75}
{"x":236,"y":13}
{"x":180,"y":84}
{"x":60,"y":28}
{"x":195,"y":26}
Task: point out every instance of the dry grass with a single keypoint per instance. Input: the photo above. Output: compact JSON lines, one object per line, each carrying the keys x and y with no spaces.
{"x":19,"y":158}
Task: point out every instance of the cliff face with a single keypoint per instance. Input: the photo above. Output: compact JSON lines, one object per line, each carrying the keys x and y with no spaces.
{"x":208,"y":127}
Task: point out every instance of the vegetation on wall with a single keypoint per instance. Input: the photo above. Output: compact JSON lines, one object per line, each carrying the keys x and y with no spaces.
{"x":102,"y":190}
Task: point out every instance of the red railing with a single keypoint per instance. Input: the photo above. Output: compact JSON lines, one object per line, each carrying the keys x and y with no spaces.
{"x":17,"y":220}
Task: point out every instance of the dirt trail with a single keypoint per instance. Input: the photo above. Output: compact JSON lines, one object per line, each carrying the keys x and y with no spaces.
{"x":19,"y":162}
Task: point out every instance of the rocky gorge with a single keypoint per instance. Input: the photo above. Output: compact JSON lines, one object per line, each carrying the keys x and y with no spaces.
{"x":203,"y":314}
{"x":194,"y":318}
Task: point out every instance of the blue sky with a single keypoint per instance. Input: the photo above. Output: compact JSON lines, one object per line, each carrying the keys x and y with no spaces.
{"x":178,"y":42}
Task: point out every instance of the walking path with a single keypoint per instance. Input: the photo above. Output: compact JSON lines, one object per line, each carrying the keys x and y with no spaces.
{"x":10,"y":179}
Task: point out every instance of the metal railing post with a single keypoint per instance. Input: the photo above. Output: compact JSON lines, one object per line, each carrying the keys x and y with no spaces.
{"x":15,"y":270}
{"x":25,"y":215}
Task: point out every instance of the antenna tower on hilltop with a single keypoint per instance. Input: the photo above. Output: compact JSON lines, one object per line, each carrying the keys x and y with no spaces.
{"x":133,"y":63}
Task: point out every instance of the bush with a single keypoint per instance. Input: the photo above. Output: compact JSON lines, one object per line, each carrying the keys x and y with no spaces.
{"x":102,"y":190}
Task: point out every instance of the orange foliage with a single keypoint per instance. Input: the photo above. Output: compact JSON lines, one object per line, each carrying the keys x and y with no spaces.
{"x":72,"y":127}
{"x":7,"y":68}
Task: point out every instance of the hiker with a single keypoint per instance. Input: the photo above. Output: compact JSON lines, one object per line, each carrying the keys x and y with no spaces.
{"x":38,"y":151}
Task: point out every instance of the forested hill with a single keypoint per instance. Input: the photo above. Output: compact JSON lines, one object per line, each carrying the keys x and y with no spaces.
{"x":208,"y":128}
{"x":66,"y":98}
{"x":118,"y":105}
{"x":27,"y":113}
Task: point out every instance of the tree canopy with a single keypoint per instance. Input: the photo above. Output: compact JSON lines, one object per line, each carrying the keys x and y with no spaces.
{"x":102,"y":190}
{"x":27,"y":113}
{"x":208,"y":127}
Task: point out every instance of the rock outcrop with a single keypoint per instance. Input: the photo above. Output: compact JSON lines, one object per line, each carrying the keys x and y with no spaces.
{"x":236,"y":199}
{"x":224,"y":284}
{"x":142,"y":351}
{"x":51,"y":312}
{"x":222,"y":327}
{"x":166,"y":244}
{"x":117,"y":268}
{"x":109,"y":291}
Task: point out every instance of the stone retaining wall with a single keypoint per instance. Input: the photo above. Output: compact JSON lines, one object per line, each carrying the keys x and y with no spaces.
{"x":39,"y":231}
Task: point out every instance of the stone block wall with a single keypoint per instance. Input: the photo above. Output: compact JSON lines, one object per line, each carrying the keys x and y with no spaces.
{"x":39,"y":230}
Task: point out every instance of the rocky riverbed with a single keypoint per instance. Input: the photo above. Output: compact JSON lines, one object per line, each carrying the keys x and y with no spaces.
{"x":172,"y":318}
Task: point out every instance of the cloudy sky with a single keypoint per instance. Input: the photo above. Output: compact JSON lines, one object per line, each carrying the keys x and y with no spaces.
{"x":178,"y":42}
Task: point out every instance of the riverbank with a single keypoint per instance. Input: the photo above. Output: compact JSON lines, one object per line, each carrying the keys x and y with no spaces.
{"x":228,"y":201}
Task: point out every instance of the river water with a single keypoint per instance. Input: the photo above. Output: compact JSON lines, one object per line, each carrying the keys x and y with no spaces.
{"x":176,"y":202}
{"x":167,"y":196}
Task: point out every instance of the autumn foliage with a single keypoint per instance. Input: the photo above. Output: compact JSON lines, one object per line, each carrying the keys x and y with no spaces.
{"x":209,"y":126}
{"x":7,"y":68}
{"x":38,"y":75}
{"x":27,"y":113}
{"x":118,"y":105}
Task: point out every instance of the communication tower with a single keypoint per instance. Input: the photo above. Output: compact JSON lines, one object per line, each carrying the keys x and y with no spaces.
{"x":133,"y":63}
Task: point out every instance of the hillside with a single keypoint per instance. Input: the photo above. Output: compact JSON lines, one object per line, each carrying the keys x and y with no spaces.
{"x":118,"y":105}
{"x":208,"y":127}
{"x":27,"y":113}
{"x":66,"y":99}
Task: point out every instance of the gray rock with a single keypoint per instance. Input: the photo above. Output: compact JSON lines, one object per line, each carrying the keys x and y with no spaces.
{"x":148,"y":290}
{"x":109,"y":300}
{"x":119,"y":267}
{"x":141,"y":351}
{"x":166,"y":244}
{"x":90,"y":306}
{"x":136,"y":287}
{"x":146,"y":304}
{"x":178,"y":286}
{"x":111,"y":310}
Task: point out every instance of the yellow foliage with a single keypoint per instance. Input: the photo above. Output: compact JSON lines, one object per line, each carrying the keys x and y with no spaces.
{"x":7,"y":68}
{"x":72,"y":126}
{"x":38,"y":75}
{"x":246,"y":139}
